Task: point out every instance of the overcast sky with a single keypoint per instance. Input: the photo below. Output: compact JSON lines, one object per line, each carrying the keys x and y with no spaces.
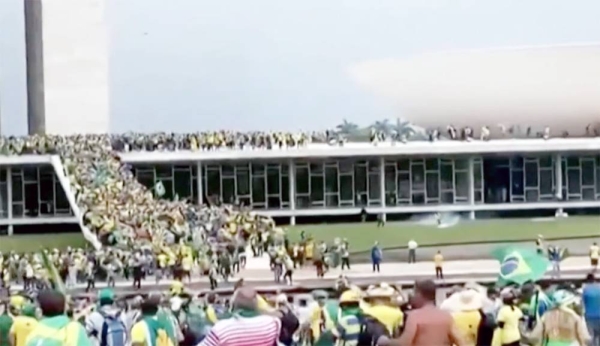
{"x":188,"y":65}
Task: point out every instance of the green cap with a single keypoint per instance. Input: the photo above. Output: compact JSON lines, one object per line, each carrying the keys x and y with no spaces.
{"x":106,"y":296}
{"x":29,"y":310}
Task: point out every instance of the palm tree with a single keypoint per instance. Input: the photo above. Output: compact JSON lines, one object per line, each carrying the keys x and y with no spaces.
{"x":382,"y":126}
{"x":403,"y":128}
{"x":347,"y":128}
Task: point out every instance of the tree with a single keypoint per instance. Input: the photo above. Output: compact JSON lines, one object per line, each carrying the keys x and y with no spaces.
{"x":382,"y":126}
{"x":403,"y":128}
{"x":347,"y":128}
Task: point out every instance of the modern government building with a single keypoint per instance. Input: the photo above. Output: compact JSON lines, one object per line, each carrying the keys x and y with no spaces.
{"x":322,"y":181}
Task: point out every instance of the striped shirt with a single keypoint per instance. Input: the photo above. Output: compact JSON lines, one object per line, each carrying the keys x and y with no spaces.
{"x":239,"y":331}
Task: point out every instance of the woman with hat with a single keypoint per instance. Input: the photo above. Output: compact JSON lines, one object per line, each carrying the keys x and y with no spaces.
{"x":382,"y":305}
{"x":561,"y":325}
{"x":468,"y":316}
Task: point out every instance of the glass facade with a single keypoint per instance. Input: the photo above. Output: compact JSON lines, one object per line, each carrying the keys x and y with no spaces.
{"x":338,"y":183}
{"x":35,"y":192}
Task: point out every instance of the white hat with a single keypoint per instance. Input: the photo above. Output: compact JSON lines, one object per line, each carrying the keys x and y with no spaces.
{"x":464,"y":300}
{"x":469,"y":300}
{"x":281,"y":298}
{"x":176,"y":303}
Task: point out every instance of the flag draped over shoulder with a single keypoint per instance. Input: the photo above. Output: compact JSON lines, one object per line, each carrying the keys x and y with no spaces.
{"x":53,"y":276}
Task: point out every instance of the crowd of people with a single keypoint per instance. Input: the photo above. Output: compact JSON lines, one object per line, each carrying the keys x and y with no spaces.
{"x":381,"y":314}
{"x":179,"y":262}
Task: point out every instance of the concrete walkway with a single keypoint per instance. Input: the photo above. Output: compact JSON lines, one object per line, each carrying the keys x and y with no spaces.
{"x":573,"y":268}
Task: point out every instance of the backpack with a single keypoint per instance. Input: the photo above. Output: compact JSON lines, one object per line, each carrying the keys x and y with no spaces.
{"x":114,"y":332}
{"x":348,"y":329}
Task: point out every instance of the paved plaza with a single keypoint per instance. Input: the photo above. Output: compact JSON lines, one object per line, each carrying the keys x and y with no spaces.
{"x":576,"y":247}
{"x":258,"y":274}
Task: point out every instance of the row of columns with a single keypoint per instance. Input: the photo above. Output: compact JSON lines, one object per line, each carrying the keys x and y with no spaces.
{"x":292,"y":186}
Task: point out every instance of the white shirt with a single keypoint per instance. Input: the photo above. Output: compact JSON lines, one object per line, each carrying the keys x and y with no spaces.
{"x":412,"y":245}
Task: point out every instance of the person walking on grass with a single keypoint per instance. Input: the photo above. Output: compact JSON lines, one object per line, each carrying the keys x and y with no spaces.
{"x":438,"y":260}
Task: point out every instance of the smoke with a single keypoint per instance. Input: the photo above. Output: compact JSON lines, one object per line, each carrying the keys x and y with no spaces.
{"x":443,"y":220}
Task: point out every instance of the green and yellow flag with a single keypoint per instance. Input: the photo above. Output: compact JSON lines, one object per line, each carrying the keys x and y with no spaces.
{"x":520,"y":265}
{"x":53,"y":276}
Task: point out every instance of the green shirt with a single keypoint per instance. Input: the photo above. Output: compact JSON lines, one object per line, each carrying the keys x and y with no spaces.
{"x":6,"y":321}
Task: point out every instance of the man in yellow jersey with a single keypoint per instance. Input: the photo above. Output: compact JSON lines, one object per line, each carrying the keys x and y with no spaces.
{"x":594,"y":256}
{"x":438,"y":260}
{"x":23,"y":325}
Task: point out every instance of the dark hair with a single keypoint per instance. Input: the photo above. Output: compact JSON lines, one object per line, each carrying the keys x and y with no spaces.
{"x":52,"y":303}
{"x":590,"y":277}
{"x":150,"y":306}
{"x":426,"y":289}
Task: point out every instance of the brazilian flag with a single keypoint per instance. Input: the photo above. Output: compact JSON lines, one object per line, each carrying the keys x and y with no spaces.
{"x":520,"y":265}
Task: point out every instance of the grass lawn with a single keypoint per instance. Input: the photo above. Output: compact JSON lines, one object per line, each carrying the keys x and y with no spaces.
{"x":35,"y":242}
{"x":362,"y":235}
{"x":395,"y":234}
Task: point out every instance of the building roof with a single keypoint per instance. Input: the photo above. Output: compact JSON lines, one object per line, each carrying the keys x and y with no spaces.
{"x":588,"y":146}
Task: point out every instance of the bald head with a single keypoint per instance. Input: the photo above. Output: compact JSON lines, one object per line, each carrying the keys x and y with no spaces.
{"x":244,"y":298}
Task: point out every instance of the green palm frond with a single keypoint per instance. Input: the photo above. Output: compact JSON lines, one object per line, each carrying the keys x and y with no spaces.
{"x":53,"y":275}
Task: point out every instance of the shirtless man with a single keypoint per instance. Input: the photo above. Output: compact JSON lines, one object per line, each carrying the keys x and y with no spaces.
{"x":426,"y":325}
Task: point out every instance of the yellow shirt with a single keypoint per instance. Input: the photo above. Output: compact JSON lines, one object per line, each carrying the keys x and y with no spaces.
{"x":262,"y":304}
{"x":162,"y":260}
{"x":594,"y":252}
{"x":187,"y":263}
{"x":21,"y":328}
{"x":139,"y":333}
{"x":211,"y":315}
{"x":510,"y":316}
{"x":438,"y":259}
{"x":176,"y":288}
{"x":467,"y":322}
{"x":309,"y":249}
{"x":392,"y":318}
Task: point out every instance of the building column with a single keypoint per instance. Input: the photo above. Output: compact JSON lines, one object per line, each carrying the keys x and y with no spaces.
{"x":292,"y":191}
{"x":200,"y":183}
{"x":382,"y":187}
{"x":558,"y":193}
{"x":471,"y":174}
{"x":9,"y":198}
{"x":34,"y":54}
